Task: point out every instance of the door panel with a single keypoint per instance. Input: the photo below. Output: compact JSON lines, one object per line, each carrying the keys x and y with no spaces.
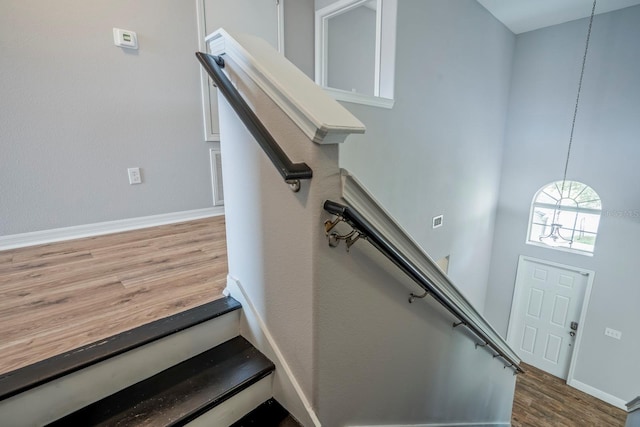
{"x":547,"y":298}
{"x":535,"y":303}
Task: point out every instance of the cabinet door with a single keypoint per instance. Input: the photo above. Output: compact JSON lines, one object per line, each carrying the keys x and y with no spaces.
{"x":258,"y":17}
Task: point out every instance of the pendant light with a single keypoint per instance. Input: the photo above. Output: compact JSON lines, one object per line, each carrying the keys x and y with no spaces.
{"x":554,"y":236}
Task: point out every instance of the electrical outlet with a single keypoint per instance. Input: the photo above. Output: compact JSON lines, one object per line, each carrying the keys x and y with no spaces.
{"x":134,"y":176}
{"x":613,"y":333}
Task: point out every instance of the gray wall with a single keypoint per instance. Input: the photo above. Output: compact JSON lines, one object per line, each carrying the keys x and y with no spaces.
{"x":77,"y":111}
{"x":299,"y":34}
{"x":605,"y":156}
{"x":352,"y":50}
{"x":383,"y":361}
{"x":438,"y":151}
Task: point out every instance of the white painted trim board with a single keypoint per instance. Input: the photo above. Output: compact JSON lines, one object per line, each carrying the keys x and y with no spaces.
{"x":319,"y":116}
{"x":255,"y":331}
{"x":606,"y":397}
{"x":236,"y":407}
{"x":438,"y":425}
{"x":21,"y":240}
{"x":634,"y":404}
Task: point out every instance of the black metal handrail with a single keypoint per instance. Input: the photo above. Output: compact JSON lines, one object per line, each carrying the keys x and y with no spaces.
{"x":291,"y":172}
{"x":365,"y":230}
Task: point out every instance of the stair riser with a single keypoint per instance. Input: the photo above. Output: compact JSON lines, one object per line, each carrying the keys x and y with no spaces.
{"x":67,"y":394}
{"x":231,"y":410}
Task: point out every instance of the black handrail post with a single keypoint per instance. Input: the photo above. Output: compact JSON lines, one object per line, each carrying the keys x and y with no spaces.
{"x":291,"y":172}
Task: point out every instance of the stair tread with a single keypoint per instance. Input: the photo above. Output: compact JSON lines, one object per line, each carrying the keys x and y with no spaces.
{"x":268,"y":414}
{"x":19,"y":380}
{"x":181,"y":393}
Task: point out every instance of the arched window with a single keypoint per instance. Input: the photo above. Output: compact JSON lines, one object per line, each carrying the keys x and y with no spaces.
{"x":565,"y":218}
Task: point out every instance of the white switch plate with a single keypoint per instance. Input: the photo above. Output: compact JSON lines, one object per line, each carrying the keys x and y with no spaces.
{"x":134,"y":176}
{"x":613,"y":333}
{"x":125,"y":38}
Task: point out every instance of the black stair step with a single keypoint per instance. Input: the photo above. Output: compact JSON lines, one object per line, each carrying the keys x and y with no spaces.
{"x":20,"y":380}
{"x":181,"y":393}
{"x":268,"y":414}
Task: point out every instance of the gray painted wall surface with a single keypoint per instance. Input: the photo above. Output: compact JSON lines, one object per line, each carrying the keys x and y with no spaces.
{"x":77,"y":111}
{"x":352,"y":50}
{"x":299,"y":34}
{"x":258,"y":17}
{"x":383,"y":361}
{"x":360,"y":352}
{"x":438,"y":151}
{"x":605,"y":156}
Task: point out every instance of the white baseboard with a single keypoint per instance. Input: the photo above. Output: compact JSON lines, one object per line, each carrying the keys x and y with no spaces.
{"x":255,"y":331}
{"x":440,"y":425}
{"x":606,"y":397}
{"x":13,"y":241}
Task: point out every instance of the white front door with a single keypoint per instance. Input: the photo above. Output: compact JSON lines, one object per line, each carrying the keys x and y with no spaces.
{"x":548,"y":298}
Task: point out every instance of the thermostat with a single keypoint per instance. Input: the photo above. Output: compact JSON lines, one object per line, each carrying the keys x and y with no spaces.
{"x":125,"y":38}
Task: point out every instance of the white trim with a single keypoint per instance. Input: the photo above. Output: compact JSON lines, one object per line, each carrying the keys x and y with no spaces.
{"x":258,"y":334}
{"x":237,"y":406}
{"x":13,"y":241}
{"x":583,"y":310}
{"x":356,"y":195}
{"x":438,"y":425}
{"x":280,"y":11}
{"x":320,"y":117}
{"x":634,"y":404}
{"x":606,"y":397}
{"x":382,"y":94}
{"x":207,"y":91}
{"x":209,"y":94}
{"x":359,"y":98}
{"x":218,"y":199}
{"x":558,"y":248}
{"x":378,"y":57}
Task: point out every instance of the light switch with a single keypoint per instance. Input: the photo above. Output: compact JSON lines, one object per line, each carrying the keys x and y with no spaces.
{"x":125,"y":38}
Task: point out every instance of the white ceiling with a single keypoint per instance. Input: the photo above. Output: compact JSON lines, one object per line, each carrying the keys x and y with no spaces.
{"x":521,"y":16}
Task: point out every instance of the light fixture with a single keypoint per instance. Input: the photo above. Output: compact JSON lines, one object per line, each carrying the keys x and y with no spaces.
{"x":554,"y":236}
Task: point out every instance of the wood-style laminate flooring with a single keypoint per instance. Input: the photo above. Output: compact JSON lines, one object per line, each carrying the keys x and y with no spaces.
{"x":542,"y":400}
{"x":60,"y":296}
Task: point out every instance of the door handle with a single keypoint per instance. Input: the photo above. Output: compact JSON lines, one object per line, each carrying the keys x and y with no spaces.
{"x":574,"y":326}
{"x":573,"y":334}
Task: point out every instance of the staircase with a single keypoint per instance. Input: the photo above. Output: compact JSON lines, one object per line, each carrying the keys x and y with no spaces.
{"x":154,"y":375}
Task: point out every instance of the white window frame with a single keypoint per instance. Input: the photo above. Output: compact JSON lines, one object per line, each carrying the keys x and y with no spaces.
{"x":385,"y":49}
{"x":531,"y":240}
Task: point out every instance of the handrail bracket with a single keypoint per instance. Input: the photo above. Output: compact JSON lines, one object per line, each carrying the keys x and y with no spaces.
{"x":412,"y":296}
{"x":334,"y":238}
{"x":294,"y":184}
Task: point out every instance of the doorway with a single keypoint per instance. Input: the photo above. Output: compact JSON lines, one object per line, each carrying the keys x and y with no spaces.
{"x":547,"y":312}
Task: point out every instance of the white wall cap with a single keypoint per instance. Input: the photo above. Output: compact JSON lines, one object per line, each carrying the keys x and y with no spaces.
{"x":316,"y":113}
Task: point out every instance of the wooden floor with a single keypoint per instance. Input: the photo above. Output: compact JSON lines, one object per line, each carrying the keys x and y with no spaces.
{"x":542,"y":400}
{"x":57,"y":297}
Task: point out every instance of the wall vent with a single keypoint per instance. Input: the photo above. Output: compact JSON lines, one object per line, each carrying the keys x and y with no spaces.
{"x":216,"y":177}
{"x":437,"y":221}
